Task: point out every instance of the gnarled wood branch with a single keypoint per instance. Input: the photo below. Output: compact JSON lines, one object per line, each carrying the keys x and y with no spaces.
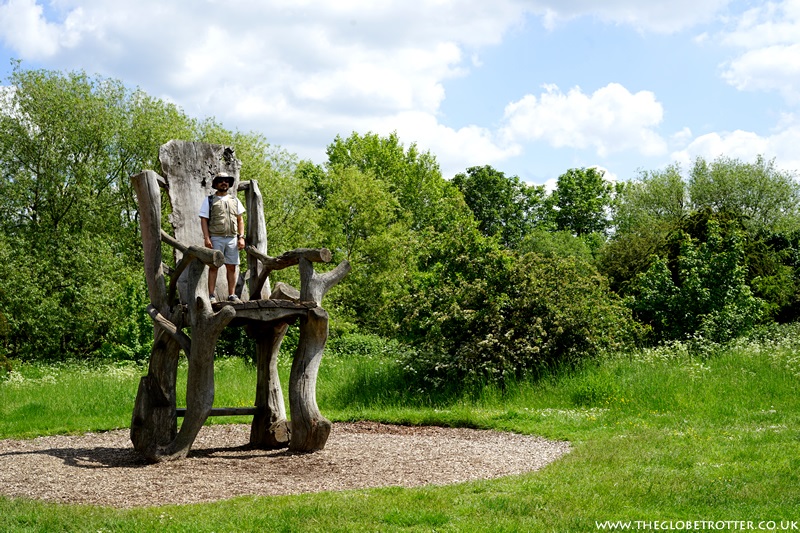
{"x":314,"y":286}
{"x":207,"y":256}
{"x":285,"y":260}
{"x":206,"y":328}
{"x":148,"y":197}
{"x":180,"y":337}
{"x":270,"y":429}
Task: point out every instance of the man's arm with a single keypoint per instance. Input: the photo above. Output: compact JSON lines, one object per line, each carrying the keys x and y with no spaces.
{"x":206,"y":234}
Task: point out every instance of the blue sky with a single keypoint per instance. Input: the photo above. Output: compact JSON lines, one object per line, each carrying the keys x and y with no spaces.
{"x":531,"y":87}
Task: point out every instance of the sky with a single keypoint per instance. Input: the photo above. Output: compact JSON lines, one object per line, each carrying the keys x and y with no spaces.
{"x":530,"y":87}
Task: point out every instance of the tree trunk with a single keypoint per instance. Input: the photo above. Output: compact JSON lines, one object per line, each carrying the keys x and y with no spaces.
{"x":256,"y":237}
{"x":148,"y":195}
{"x":270,"y":429}
{"x":154,"y":424}
{"x":310,"y":429}
{"x":206,"y":328}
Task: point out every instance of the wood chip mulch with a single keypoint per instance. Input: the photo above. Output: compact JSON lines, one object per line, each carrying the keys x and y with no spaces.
{"x":103,"y":468}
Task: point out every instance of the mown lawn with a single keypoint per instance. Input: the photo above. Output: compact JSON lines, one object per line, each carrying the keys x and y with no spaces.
{"x":661,"y":437}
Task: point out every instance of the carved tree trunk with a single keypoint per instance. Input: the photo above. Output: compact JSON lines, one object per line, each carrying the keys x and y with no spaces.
{"x":270,"y":429}
{"x":148,"y":195}
{"x":206,"y":328}
{"x":153,"y":423}
{"x":310,"y":429}
{"x":256,"y":238}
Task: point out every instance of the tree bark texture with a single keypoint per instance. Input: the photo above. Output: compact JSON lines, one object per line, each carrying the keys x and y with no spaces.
{"x":267,"y":264}
{"x":206,"y":328}
{"x":314,"y":286}
{"x":270,"y":429}
{"x":148,"y":195}
{"x":153,"y":423}
{"x":309,"y":429}
{"x":256,"y":239}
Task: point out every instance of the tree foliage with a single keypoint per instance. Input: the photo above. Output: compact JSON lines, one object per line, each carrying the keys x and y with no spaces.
{"x":581,"y":201}
{"x":413,"y":177}
{"x":700,"y":288}
{"x":486,"y":277}
{"x":759,"y":200}
{"x":504,"y":207}
{"x":648,"y":210}
{"x":765,"y":198}
{"x":68,"y":144}
{"x":491,"y":315}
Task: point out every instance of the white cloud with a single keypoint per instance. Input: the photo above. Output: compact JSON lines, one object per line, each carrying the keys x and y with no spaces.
{"x":455,"y":149}
{"x":24,"y":29}
{"x":745,"y":145}
{"x":609,"y":120}
{"x":769,"y":37}
{"x":766,"y":69}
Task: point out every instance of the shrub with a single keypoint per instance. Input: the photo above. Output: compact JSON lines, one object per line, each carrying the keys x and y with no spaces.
{"x":700,"y":290}
{"x":364,"y":345}
{"x":522,"y":316}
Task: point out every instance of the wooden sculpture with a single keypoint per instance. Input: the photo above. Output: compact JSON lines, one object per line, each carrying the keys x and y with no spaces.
{"x":185,"y":319}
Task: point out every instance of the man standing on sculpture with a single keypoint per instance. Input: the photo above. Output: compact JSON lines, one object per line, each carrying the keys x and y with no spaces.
{"x":223,"y":230}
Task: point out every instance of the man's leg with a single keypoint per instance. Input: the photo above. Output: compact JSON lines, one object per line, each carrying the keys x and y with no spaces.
{"x":231,"y":272}
{"x":212,"y":280}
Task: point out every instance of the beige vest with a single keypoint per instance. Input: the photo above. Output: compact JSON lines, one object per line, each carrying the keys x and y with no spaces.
{"x":222,"y":215}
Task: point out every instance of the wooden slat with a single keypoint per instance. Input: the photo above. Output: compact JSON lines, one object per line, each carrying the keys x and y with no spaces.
{"x":225,"y":411}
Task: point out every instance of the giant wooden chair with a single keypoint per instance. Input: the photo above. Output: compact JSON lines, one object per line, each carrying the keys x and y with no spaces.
{"x":185,"y":319}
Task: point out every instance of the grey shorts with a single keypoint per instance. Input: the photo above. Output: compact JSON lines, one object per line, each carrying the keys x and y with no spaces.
{"x":227,"y":245}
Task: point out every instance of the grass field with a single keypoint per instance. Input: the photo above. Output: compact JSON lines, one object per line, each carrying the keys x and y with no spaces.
{"x":662,"y":439}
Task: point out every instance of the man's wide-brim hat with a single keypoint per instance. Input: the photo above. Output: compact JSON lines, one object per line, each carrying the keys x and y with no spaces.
{"x":222,"y":176}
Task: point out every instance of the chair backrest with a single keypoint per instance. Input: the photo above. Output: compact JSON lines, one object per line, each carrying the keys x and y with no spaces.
{"x":189,"y":168}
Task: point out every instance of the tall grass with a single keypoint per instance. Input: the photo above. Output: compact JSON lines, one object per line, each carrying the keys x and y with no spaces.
{"x":39,"y":399}
{"x":659,"y":435}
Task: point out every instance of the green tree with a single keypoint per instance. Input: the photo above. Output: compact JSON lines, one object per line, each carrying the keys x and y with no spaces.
{"x":505,"y":207}
{"x":412,"y":177}
{"x":762,"y":200}
{"x":765,"y":197}
{"x":648,"y":210}
{"x":359,"y":207}
{"x":382,"y":205}
{"x":659,"y":198}
{"x":482,"y":314}
{"x":68,"y":144}
{"x":581,"y":201}
{"x":701,"y":286}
